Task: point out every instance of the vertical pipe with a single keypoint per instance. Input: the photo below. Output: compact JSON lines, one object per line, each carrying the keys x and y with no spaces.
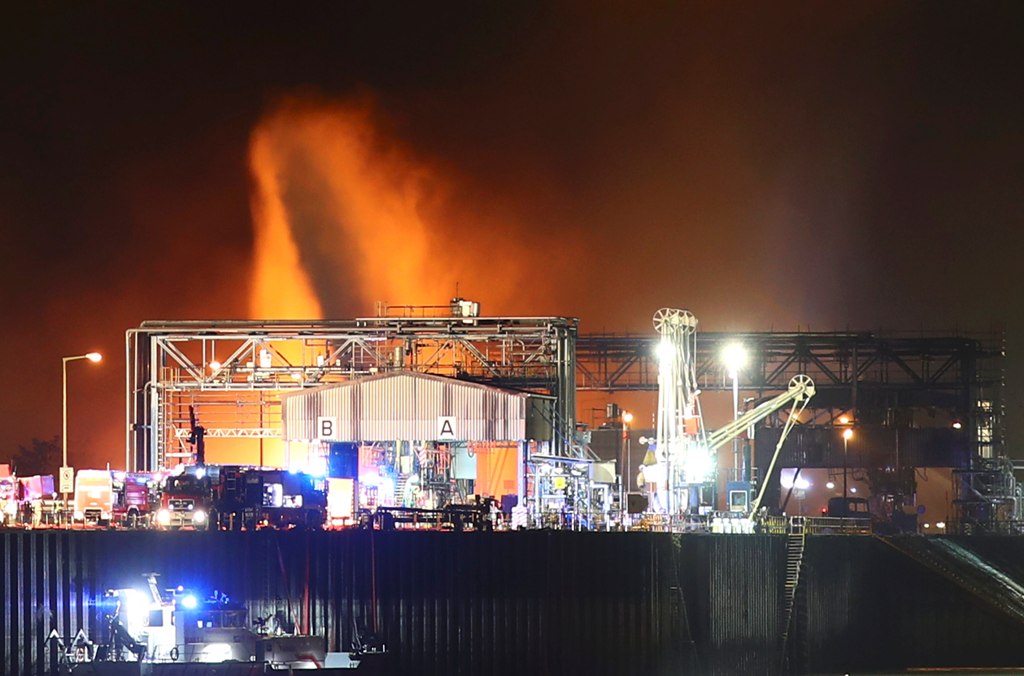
{"x":127,"y":402}
{"x":152,"y":423}
{"x":305,"y":592}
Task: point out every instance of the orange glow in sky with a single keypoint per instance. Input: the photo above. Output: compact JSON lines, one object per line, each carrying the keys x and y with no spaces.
{"x":337,"y":211}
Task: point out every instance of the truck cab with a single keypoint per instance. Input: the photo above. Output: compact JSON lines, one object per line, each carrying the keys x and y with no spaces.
{"x":133,"y":499}
{"x":94,"y":496}
{"x":848,"y":508}
{"x":188,"y":499}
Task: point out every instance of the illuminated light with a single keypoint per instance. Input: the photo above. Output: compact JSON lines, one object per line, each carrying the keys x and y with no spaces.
{"x":297,"y":376}
{"x":847,"y":434}
{"x":94,"y":356}
{"x":199,"y":517}
{"x":734,"y":356}
{"x":801,"y":483}
{"x":957,"y":424}
{"x":665,"y":352}
{"x":698,"y":464}
{"x":927,"y":525}
{"x":830,"y":485}
{"x":216,"y":652}
{"x":136,"y":609}
{"x":163,"y":517}
{"x":215,"y":365}
{"x":317,"y":468}
{"x":189,"y":601}
{"x":940,"y":524}
{"x":200,"y":472}
{"x":853,"y":489}
{"x":844,"y":420}
{"x":627,"y":417}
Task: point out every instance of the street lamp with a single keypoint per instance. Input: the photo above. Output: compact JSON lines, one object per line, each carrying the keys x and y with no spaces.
{"x":93,"y":357}
{"x":627,"y":418}
{"x":847,"y":435}
{"x":734,"y":356}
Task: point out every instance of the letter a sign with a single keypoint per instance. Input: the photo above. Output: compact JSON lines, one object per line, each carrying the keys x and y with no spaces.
{"x":446,"y":428}
{"x":326,"y":428}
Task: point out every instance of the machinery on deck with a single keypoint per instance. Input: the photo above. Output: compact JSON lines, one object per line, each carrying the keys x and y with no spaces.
{"x":181,"y":626}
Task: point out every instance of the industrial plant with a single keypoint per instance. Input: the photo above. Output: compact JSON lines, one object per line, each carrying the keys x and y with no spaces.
{"x":423,"y":491}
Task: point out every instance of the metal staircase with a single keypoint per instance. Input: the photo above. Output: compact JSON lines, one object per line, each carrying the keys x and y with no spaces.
{"x":795,"y":540}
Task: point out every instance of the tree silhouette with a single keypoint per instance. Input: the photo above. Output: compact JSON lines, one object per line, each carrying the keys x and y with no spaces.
{"x":42,"y":457}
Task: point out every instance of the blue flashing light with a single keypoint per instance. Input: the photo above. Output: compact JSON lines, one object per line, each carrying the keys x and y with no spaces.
{"x":189,"y":601}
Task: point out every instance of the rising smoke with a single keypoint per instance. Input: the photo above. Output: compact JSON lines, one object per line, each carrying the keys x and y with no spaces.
{"x":346,"y":215}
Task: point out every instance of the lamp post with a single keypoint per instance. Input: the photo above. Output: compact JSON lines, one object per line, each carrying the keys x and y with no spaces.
{"x":627,"y":418}
{"x":847,"y":435}
{"x":93,"y":357}
{"x":734,"y":356}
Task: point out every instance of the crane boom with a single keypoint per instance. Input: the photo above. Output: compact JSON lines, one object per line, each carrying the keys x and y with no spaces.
{"x":801,"y":388}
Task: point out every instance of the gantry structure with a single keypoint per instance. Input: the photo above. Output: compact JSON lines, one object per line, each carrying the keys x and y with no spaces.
{"x":233,"y":372}
{"x":864,"y":374}
{"x":173,"y":364}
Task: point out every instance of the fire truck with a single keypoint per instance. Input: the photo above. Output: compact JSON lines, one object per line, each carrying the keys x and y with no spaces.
{"x":277,"y":498}
{"x":133,"y":499}
{"x":188,"y":498}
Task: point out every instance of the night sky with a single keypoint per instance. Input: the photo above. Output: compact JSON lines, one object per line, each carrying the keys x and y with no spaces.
{"x":781,"y":166}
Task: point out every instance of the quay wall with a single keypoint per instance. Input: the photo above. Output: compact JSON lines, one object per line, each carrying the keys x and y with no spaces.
{"x":533,"y":602}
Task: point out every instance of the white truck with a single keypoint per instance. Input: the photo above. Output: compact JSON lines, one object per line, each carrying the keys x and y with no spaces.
{"x":94,"y":497}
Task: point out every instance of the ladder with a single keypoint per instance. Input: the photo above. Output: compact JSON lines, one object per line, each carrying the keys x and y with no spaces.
{"x":795,"y":541}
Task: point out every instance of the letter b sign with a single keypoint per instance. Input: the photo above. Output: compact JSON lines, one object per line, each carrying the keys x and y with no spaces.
{"x":326,"y":428}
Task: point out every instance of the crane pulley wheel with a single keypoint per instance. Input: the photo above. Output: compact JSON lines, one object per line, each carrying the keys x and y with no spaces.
{"x":804,"y":383}
{"x":666,"y":319}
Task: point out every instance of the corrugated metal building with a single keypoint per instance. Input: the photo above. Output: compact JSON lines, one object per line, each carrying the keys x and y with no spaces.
{"x":411,"y":406}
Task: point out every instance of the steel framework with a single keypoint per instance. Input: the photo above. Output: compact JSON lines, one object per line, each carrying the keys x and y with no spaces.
{"x":871,"y":375}
{"x":234,"y":372}
{"x":241,"y":367}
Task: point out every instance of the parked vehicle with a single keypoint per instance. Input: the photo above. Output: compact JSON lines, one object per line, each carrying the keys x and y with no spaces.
{"x":274,"y":498}
{"x":94,"y":497}
{"x":134,"y":499}
{"x":188,"y":498}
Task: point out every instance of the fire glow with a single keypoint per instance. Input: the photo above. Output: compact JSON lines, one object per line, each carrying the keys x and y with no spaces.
{"x":341,"y":217}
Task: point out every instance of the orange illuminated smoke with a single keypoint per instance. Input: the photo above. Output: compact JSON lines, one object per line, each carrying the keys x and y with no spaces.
{"x":345,"y":214}
{"x":337,"y":216}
